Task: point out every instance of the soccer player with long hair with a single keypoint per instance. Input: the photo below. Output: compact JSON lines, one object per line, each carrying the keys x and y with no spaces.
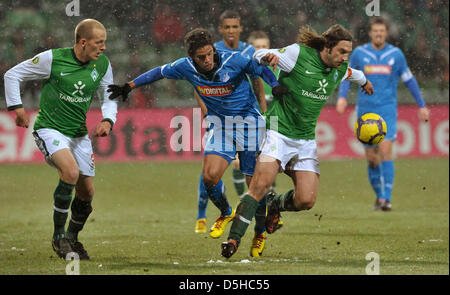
{"x":311,"y":70}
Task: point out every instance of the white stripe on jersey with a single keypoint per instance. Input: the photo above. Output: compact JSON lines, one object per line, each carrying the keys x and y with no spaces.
{"x":407,"y":75}
{"x":388,"y":52}
{"x":223,"y":65}
{"x":247,"y":48}
{"x":368,"y":53}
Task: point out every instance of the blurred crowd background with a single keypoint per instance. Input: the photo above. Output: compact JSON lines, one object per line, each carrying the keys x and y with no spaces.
{"x":144,"y":34}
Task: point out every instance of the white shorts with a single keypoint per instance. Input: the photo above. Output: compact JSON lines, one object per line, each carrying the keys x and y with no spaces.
{"x":49,"y":141}
{"x":294,"y":154}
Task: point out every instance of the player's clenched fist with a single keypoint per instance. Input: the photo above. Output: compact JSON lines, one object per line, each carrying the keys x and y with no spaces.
{"x":22,"y":119}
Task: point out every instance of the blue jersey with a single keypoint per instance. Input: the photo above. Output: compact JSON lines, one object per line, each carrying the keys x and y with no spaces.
{"x":244,"y":49}
{"x":228,"y":93}
{"x":383,"y":68}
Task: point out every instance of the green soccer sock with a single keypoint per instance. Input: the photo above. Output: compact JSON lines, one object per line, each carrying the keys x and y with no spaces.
{"x":80,"y":213}
{"x":243,"y":217}
{"x":62,"y":198}
{"x":238,"y":181}
{"x":284,"y":202}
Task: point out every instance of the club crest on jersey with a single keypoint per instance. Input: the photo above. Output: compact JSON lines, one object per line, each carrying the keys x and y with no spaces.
{"x":215,"y":91}
{"x":335,"y":76}
{"x":225,"y":77}
{"x":94,"y":74}
{"x":35,"y":60}
{"x":282,"y":50}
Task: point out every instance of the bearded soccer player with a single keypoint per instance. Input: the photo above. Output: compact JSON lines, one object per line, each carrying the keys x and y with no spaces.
{"x":385,"y":64}
{"x":71,"y":78}
{"x":220,"y":80}
{"x":311,"y":70}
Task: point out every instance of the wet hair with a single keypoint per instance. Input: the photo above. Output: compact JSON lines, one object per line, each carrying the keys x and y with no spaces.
{"x":229,"y":14}
{"x":85,"y":29}
{"x":378,"y":20}
{"x":330,"y":38}
{"x":257,"y":35}
{"x":197,"y":38}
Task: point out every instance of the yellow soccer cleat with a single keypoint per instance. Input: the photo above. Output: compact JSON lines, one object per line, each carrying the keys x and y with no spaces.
{"x":219,"y":226}
{"x":200,"y":225}
{"x":259,"y":240}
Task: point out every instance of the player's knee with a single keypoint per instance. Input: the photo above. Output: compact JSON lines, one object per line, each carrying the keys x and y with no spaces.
{"x":86,"y":194}
{"x":210,"y":178}
{"x":70,"y":175}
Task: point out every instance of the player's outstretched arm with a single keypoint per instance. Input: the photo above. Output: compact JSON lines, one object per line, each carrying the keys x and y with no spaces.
{"x":36,"y":68}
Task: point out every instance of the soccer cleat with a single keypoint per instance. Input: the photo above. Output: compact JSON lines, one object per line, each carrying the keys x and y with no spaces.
{"x":229,"y":248}
{"x":377,"y":205}
{"x":382,"y":204}
{"x":79,"y":249}
{"x":273,"y":221}
{"x":386,"y":206}
{"x":200,"y":225}
{"x":258,"y":243}
{"x":62,"y":247}
{"x":219,"y":226}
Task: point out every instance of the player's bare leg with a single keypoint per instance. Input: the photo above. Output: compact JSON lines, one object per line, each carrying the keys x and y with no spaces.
{"x":214,"y":167}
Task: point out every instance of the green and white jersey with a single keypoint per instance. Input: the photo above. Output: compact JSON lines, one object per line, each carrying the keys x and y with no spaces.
{"x":67,"y":91}
{"x":310,"y":82}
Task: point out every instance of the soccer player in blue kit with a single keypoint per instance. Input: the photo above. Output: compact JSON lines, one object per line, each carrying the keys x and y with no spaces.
{"x":383,"y":64}
{"x":230,"y":28}
{"x":220,"y":80}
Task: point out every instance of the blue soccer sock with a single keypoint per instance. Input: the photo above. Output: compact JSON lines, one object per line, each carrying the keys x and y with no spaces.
{"x":216,"y":194}
{"x":202,"y":199}
{"x":388,"y":176}
{"x":376,"y":179}
{"x":260,"y":216}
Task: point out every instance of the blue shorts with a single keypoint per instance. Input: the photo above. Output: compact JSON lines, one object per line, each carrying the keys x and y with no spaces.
{"x":227,"y":142}
{"x":389,"y":114}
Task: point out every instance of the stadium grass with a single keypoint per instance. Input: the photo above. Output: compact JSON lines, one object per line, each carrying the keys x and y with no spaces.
{"x":144,"y":216}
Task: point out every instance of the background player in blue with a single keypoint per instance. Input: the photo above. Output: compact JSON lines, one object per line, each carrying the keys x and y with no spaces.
{"x":383,"y":64}
{"x":220,"y":80}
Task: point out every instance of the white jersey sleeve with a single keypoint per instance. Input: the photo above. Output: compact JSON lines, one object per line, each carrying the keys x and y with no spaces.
{"x":288,"y":56}
{"x":109,"y":106}
{"x":355,"y":76}
{"x":36,"y":68}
